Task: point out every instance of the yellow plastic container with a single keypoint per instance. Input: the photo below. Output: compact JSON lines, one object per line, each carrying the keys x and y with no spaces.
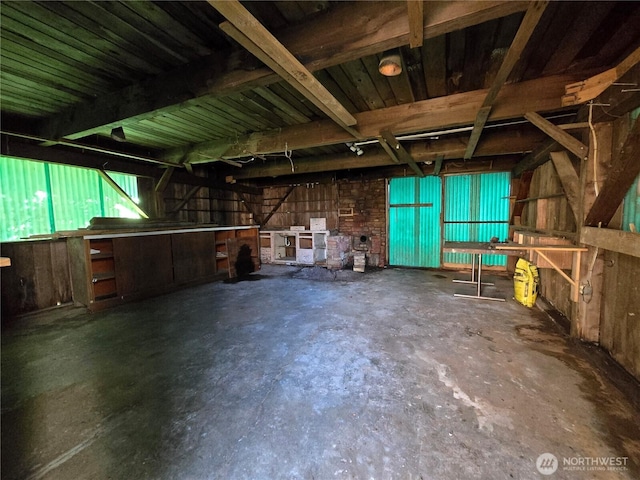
{"x":525,"y":283}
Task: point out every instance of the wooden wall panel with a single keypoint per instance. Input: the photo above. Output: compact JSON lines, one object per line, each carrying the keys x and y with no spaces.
{"x":304,"y":203}
{"x":620,"y":320}
{"x":37,"y":278}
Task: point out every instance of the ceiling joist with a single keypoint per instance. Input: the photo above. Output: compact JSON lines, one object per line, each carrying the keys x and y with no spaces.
{"x":436,"y":113}
{"x":520,"y":41}
{"x":252,"y":35}
{"x":335,"y":42}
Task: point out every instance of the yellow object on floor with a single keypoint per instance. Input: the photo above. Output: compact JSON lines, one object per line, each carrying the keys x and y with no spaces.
{"x":525,"y":283}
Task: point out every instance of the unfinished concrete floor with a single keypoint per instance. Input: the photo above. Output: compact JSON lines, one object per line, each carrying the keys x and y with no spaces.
{"x":302,"y":374}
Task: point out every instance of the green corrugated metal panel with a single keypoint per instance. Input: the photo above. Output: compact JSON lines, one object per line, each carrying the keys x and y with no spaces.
{"x":474,"y":204}
{"x":631,"y":208}
{"x":24,"y":205}
{"x":414,"y":221}
{"x":74,"y":207}
{"x":40,"y":198}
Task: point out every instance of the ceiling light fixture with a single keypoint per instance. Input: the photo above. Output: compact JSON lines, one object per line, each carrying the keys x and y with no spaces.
{"x":117,"y":134}
{"x":390,"y":64}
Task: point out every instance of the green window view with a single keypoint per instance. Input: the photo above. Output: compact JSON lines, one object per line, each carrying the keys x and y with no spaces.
{"x":41,"y":198}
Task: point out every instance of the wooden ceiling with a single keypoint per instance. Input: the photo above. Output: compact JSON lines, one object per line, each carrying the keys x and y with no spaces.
{"x":268,"y":89}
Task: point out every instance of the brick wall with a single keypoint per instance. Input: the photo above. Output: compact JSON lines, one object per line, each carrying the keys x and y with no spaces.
{"x":368,"y":200}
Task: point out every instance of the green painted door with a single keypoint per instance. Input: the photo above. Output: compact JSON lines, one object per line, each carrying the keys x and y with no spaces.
{"x":414,"y":221}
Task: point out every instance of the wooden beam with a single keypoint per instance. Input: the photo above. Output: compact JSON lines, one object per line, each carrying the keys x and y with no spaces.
{"x":624,"y":169}
{"x":277,"y":205}
{"x":438,"y":165}
{"x":569,"y":179}
{"x":581,"y":92}
{"x":162,"y":184}
{"x":402,"y":154}
{"x":113,"y":184}
{"x":13,"y":149}
{"x":627,"y":243}
{"x":528,"y":25}
{"x":478,"y":126}
{"x":373,"y":27}
{"x":249,"y":33}
{"x":494,"y":144}
{"x":536,"y":158}
{"x":572,"y":144}
{"x":415,"y":13}
{"x":514,"y":100}
{"x":185,"y":200}
{"x":523,"y":192}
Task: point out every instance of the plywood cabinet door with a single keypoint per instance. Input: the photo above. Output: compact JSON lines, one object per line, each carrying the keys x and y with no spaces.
{"x":143,"y":263}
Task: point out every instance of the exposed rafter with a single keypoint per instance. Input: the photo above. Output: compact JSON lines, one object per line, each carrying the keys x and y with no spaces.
{"x":520,"y":41}
{"x":397,"y":152}
{"x":335,"y":42}
{"x":252,"y":35}
{"x":415,"y":13}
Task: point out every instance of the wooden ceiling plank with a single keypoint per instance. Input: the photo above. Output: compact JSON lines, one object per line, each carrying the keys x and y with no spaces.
{"x":269,"y":50}
{"x":363,"y":84}
{"x":569,"y":179}
{"x":579,"y":32}
{"x":292,"y":115}
{"x":401,"y":153}
{"x":79,"y":46}
{"x":443,"y":112}
{"x":624,"y":169}
{"x":520,"y":41}
{"x":572,"y":144}
{"x":415,"y":13}
{"x":434,"y":58}
{"x":334,"y":43}
{"x":339,"y":76}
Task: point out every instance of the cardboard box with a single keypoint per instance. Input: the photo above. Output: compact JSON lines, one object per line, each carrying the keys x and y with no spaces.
{"x":318,"y":223}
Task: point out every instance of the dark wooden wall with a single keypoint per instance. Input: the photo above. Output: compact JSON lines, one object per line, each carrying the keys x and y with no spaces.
{"x":38,"y":277}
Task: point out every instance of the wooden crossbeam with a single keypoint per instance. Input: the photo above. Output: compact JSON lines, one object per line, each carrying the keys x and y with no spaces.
{"x":415,"y":14}
{"x":395,"y":149}
{"x":572,"y":144}
{"x":528,"y":25}
{"x":435,"y":113}
{"x":251,"y":34}
{"x":370,"y":31}
{"x":247,"y":205}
